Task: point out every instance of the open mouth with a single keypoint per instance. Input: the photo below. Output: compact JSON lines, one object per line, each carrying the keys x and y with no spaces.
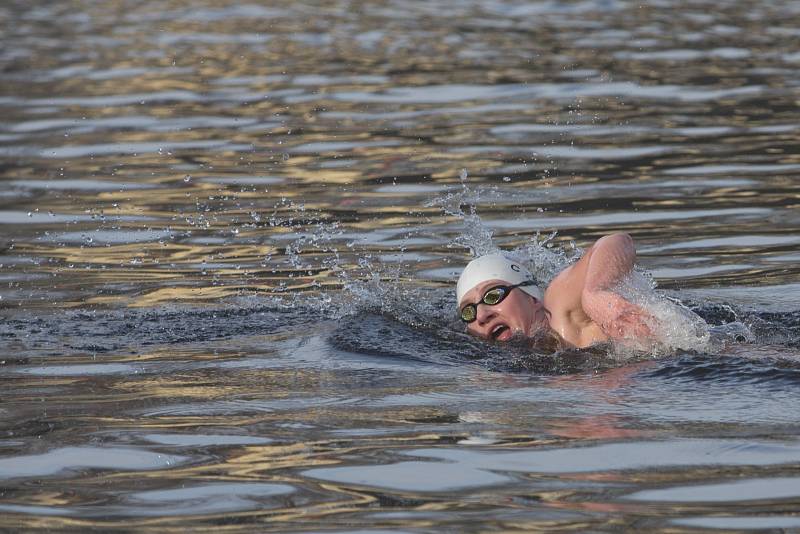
{"x":498,"y":331}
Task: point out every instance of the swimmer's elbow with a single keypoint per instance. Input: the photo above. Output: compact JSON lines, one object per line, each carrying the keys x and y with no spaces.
{"x":612,"y":258}
{"x":619,"y":243}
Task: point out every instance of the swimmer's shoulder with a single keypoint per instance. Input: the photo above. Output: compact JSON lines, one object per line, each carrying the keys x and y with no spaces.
{"x":563,"y":298}
{"x":563,"y":294}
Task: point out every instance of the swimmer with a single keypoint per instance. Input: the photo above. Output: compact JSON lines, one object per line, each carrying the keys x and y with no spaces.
{"x":498,"y":298}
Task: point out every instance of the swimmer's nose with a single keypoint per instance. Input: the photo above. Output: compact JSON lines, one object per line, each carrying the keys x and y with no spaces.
{"x":484,"y":314}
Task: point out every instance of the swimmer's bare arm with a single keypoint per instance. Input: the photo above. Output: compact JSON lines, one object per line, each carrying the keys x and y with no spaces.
{"x":607,"y":262}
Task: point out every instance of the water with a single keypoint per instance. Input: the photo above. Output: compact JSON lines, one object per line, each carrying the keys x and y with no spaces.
{"x":229,"y":235}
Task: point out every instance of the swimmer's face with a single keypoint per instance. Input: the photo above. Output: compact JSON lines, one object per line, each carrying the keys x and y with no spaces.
{"x":518,"y":313}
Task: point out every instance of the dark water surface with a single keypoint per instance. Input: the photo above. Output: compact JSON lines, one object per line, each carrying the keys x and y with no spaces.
{"x":229,"y":234}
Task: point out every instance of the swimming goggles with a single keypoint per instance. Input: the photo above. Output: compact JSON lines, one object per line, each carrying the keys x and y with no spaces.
{"x":493,"y":296}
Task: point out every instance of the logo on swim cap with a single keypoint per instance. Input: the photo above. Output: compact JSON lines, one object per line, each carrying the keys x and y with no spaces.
{"x":494,"y":267}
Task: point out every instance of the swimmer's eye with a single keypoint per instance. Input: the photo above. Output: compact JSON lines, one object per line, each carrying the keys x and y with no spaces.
{"x":494,"y":295}
{"x":469,"y":313}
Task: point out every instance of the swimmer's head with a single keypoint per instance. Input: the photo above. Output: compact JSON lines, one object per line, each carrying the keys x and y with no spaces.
{"x":495,"y":267}
{"x":498,"y":299}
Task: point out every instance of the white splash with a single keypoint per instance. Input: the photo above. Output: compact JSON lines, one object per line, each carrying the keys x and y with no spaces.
{"x":676,"y":326}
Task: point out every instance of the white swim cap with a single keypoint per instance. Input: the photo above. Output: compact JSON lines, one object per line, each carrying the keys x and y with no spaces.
{"x":495,"y":267}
